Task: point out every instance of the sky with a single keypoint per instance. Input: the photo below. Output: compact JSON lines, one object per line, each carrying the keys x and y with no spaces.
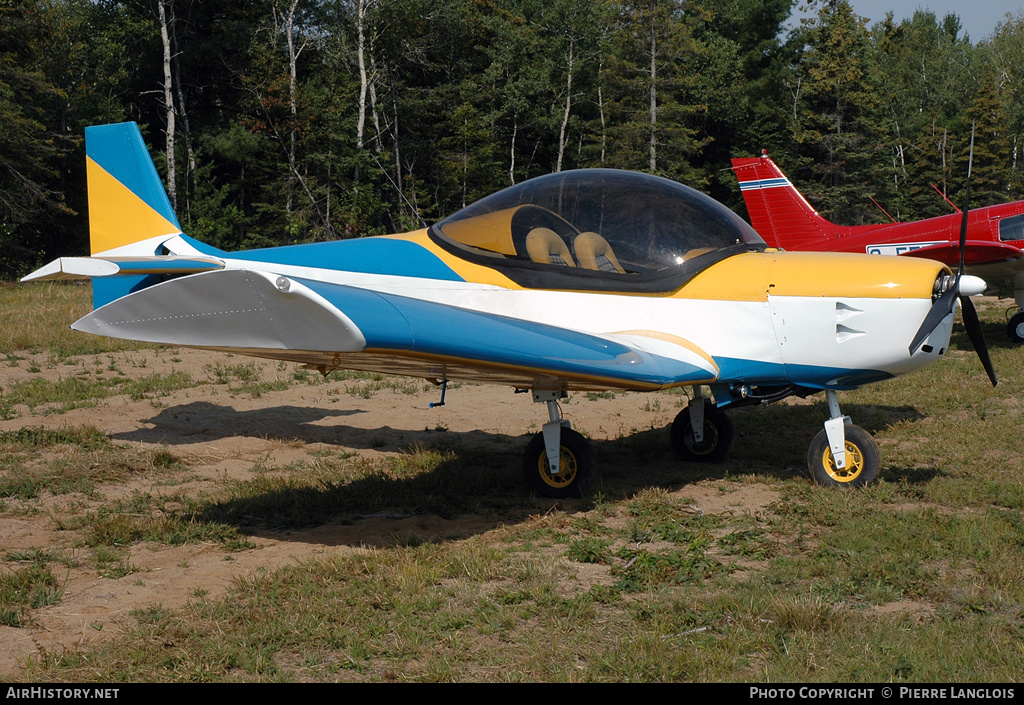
{"x":978,"y":18}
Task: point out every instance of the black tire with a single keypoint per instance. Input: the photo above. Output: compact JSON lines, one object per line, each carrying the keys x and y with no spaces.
{"x":1015,"y":328}
{"x":717,"y":441}
{"x":862,"y":460}
{"x":575,"y":470}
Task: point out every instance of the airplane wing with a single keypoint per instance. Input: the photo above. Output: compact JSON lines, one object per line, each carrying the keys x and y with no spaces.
{"x":977,"y":252}
{"x":331,"y":326}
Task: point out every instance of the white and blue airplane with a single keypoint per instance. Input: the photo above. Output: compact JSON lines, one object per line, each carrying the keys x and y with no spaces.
{"x":593,"y":279}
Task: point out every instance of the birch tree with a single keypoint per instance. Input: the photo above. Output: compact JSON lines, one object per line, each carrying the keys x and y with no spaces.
{"x":165,"y":14}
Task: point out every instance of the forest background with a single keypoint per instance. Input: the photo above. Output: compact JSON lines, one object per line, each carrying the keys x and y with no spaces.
{"x":284,"y":121}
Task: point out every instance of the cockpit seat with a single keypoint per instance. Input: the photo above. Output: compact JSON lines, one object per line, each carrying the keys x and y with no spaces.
{"x":545,"y":246}
{"x":594,"y":252}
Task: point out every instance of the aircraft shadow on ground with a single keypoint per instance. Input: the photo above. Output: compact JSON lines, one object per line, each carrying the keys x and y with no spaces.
{"x":452,"y":474}
{"x":201,"y":421}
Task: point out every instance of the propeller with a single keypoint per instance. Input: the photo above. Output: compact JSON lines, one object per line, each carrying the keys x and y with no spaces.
{"x":962,"y":287}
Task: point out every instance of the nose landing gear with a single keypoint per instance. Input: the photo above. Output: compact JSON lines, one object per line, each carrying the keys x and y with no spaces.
{"x":842,"y":455}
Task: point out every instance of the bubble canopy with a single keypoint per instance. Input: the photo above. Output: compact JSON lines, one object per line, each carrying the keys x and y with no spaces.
{"x":595,"y":224}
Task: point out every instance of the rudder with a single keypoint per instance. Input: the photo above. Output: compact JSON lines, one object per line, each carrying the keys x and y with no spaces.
{"x":778,"y":212}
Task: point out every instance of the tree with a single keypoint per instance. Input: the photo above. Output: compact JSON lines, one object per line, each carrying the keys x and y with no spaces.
{"x":835,"y":120}
{"x":31,"y":150}
{"x":1007,"y":57}
{"x":926,"y":67}
{"x":652,"y":78}
{"x":993,"y":145}
{"x":740,"y":68}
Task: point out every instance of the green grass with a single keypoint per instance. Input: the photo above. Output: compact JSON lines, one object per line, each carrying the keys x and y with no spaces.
{"x":169,"y":520}
{"x":25,"y":588}
{"x":71,"y":459}
{"x":35,"y":317}
{"x":67,"y":393}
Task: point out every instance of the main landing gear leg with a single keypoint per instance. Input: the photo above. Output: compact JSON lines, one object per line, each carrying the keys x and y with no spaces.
{"x":1015,"y":326}
{"x":701,"y":433}
{"x":557,"y":462}
{"x":842,"y":455}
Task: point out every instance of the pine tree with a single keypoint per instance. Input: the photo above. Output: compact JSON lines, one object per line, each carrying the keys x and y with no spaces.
{"x":835,"y":126}
{"x":31,"y":149}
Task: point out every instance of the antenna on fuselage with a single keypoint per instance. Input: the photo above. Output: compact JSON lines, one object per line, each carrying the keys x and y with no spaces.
{"x":938,"y":191}
{"x":392,"y":181}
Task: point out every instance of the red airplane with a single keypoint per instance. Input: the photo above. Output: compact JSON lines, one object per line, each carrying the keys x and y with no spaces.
{"x":995,"y":235}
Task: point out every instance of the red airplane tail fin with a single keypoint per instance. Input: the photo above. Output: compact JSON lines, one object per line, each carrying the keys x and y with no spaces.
{"x":777,"y":210}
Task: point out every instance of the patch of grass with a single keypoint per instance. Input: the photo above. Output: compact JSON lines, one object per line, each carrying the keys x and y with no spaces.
{"x":644,"y":569}
{"x":747,"y":543}
{"x":590,"y":550}
{"x":112,"y":562}
{"x":221,"y":373}
{"x":71,"y":459}
{"x":245,"y":378}
{"x":35,"y":317}
{"x":369,"y":383}
{"x":29,"y":587}
{"x":84,"y":437}
{"x":165,"y":520}
{"x":156,"y":385}
{"x":67,"y":393}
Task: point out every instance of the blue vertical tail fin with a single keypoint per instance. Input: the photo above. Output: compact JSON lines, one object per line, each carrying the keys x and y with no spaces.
{"x":129,"y":211}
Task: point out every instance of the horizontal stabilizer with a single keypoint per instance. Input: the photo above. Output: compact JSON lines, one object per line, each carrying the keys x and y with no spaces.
{"x":66,"y":268}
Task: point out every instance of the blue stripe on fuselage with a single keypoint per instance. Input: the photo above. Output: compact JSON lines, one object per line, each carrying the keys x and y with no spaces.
{"x":393,"y":322}
{"x":739,"y":371}
{"x":372,"y":255}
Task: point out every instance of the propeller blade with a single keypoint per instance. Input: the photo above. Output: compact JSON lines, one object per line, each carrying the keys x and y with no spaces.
{"x":973,"y":326}
{"x":942,"y":307}
{"x":963,"y":211}
{"x":967,"y":310}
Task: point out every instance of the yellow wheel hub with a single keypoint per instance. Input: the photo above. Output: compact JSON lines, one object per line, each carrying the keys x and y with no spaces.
{"x":854,"y":464}
{"x":566,"y":469}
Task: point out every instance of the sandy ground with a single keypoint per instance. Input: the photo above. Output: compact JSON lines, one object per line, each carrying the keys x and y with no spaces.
{"x":220,"y":435}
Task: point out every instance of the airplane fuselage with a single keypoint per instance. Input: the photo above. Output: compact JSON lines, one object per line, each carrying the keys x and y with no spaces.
{"x":769,"y":318}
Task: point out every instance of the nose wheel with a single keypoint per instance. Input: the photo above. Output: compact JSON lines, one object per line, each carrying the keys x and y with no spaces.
{"x":842,"y":455}
{"x":861,"y":459}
